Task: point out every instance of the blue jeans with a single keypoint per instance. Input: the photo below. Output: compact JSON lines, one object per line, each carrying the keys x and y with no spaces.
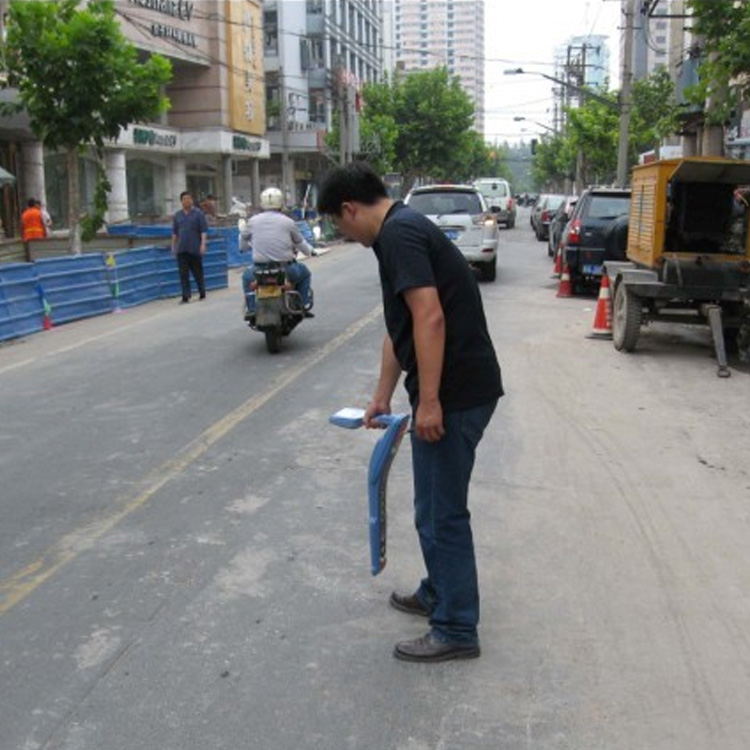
{"x":442,"y":472}
{"x":297,"y":273}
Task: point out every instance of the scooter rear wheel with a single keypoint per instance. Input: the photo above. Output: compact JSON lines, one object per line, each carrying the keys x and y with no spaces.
{"x":273,"y":340}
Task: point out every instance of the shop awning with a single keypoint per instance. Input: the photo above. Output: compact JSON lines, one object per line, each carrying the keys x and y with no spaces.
{"x":6,"y":178}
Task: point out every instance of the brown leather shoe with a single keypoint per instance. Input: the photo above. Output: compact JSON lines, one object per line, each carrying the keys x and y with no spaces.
{"x":409,"y":604}
{"x":429,"y":649}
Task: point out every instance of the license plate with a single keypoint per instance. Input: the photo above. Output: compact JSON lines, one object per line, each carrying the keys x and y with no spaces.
{"x":267,"y":292}
{"x":451,"y":234}
{"x":592,"y":270}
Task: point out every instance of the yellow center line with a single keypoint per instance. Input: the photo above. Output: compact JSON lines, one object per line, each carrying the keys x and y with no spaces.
{"x":21,"y":584}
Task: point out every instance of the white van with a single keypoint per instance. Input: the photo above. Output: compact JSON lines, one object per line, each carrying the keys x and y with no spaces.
{"x":497,"y":192}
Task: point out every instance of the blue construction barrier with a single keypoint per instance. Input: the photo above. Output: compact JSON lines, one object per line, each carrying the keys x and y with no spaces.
{"x":153,"y":230}
{"x":231,"y":236}
{"x":121,"y":229}
{"x":21,"y":308}
{"x":307,"y":233}
{"x":75,"y":286}
{"x":133,"y":276}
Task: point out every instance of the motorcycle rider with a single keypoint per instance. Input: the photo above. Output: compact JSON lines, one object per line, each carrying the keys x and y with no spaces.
{"x":275,"y":238}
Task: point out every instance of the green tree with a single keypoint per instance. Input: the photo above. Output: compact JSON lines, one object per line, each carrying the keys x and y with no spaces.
{"x":421,"y":125}
{"x":554,"y":162}
{"x":591,"y":136}
{"x":724,"y":27}
{"x":654,"y":113}
{"x":80,"y":81}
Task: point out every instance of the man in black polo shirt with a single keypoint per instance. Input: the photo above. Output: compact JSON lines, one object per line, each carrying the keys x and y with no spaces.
{"x":437,"y":334}
{"x":189,"y":232}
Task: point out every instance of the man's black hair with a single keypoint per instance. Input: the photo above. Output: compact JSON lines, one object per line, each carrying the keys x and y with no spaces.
{"x":184,"y":193}
{"x":31,"y":202}
{"x":353,"y":182}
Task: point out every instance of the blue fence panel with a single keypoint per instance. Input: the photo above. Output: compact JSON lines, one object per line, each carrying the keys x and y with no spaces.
{"x":231,"y":237}
{"x":120,"y":229}
{"x":76,"y":286}
{"x":155,"y":230}
{"x":306,"y":231}
{"x":21,"y":309}
{"x":134,"y":276}
{"x":215,"y":264}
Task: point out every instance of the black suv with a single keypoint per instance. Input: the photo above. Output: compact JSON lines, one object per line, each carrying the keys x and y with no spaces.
{"x":593,"y":233}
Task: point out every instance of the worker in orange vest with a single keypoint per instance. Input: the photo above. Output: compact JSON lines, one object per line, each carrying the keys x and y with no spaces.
{"x":32,"y":221}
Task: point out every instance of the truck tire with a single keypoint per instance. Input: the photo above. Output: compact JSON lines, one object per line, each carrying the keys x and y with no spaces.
{"x":626,"y":319}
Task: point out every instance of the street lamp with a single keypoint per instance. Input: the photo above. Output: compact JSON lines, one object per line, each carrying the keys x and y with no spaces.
{"x":567,"y":84}
{"x":538,"y":124}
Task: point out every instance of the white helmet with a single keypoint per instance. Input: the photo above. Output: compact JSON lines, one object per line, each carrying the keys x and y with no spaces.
{"x":271,"y":199}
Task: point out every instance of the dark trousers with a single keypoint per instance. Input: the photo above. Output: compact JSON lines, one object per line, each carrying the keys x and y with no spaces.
{"x":442,"y":472}
{"x":189,"y":263}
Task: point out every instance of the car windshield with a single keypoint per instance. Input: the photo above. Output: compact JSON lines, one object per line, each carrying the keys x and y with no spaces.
{"x":608,"y":206}
{"x":436,"y":204}
{"x":554,"y":201}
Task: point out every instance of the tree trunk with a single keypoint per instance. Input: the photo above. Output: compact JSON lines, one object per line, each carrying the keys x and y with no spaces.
{"x":74,"y":201}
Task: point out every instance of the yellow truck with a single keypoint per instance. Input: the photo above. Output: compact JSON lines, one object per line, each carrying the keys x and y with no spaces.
{"x":688,"y":252}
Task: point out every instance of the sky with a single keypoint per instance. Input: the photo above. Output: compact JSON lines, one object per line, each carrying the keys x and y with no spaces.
{"x":525,"y":33}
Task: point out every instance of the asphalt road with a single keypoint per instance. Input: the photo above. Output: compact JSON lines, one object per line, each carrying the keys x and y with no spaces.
{"x":183,"y":540}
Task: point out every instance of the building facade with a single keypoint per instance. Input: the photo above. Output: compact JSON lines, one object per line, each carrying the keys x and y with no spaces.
{"x":659,"y":39}
{"x":212,"y":138}
{"x":318,"y":55}
{"x":449,"y":33}
{"x":583,"y":61}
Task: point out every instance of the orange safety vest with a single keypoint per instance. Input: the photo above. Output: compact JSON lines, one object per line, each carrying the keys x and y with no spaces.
{"x":32,"y":224}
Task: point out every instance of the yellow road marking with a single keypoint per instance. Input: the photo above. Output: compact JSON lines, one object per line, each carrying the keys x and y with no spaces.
{"x":21,"y":584}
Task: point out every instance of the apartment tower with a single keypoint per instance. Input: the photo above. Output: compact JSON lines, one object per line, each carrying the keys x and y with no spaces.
{"x":450,"y":33}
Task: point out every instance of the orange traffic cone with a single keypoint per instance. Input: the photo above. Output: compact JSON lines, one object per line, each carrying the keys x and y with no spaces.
{"x":602,"y":328}
{"x":558,"y":263}
{"x":565,"y":288}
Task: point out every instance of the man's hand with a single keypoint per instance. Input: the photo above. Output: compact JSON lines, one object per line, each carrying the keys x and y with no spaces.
{"x":374,"y":409}
{"x":429,"y":421}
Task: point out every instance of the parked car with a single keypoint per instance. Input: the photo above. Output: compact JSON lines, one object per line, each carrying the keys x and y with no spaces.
{"x":497,"y":192}
{"x":558,"y":222}
{"x":462,"y":213}
{"x":586,"y":234}
{"x":542,"y":213}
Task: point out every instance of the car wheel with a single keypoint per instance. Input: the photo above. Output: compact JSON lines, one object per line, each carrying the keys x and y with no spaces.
{"x":626,"y":319}
{"x":489,"y":269}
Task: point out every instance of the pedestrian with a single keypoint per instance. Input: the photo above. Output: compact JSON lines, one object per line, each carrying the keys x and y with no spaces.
{"x":437,"y":334}
{"x":32,"y":221}
{"x":208,"y":206}
{"x":189,"y":232}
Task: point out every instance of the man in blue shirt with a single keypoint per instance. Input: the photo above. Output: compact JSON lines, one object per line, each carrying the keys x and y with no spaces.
{"x":189,"y":232}
{"x":436,"y":332}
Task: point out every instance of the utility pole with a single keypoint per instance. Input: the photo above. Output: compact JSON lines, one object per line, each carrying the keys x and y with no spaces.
{"x":284,"y":114}
{"x":625,"y":88}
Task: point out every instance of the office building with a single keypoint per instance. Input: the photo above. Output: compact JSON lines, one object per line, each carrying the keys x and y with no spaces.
{"x":450,"y":33}
{"x":582,"y":62}
{"x":211,"y":140}
{"x":318,"y":55}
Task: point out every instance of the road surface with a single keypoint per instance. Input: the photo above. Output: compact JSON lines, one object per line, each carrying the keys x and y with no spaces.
{"x":183,"y":559}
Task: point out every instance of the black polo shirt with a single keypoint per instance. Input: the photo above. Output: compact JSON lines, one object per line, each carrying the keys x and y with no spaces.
{"x":412,"y":252}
